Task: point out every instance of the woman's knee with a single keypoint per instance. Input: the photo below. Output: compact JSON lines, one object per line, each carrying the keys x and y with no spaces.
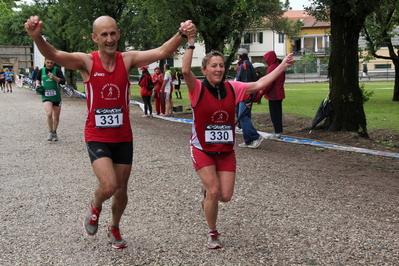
{"x":213,"y":193}
{"x":226,"y":197}
{"x":227,"y":193}
{"x":217,"y":195}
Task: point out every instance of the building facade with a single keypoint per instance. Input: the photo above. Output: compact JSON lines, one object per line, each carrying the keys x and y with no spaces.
{"x":314,"y":38}
{"x":15,"y":57}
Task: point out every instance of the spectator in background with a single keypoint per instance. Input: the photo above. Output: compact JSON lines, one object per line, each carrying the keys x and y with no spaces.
{"x":145,"y":92}
{"x":177,"y":83}
{"x":259,"y":74}
{"x":157,"y":79}
{"x":8,"y":76}
{"x":236,"y":67}
{"x":34,"y":73}
{"x":167,"y":88}
{"x":246,"y":73}
{"x":275,"y":94}
{"x":365,"y":71}
{"x":2,"y":80}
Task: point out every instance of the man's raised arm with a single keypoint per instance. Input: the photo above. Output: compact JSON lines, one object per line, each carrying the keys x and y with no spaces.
{"x":141,"y":58}
{"x":75,"y":61}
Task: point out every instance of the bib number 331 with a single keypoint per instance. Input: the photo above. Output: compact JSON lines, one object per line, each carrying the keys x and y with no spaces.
{"x":219,"y":134}
{"x":109,"y":117}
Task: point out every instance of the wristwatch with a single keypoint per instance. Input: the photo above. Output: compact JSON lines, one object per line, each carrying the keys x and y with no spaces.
{"x":182,"y":34}
{"x":190,"y":46}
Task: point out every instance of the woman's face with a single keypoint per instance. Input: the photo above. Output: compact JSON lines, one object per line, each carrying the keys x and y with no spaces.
{"x":214,"y":70}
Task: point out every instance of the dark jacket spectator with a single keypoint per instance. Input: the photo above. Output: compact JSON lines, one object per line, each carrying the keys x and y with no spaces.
{"x":246,"y":73}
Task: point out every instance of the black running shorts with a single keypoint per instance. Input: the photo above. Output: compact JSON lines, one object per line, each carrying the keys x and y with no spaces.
{"x":120,"y":153}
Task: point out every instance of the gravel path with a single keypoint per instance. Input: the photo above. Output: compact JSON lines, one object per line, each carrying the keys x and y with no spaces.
{"x":293,"y":205}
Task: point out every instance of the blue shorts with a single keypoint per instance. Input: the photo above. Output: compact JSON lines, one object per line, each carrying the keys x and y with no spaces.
{"x":119,"y":153}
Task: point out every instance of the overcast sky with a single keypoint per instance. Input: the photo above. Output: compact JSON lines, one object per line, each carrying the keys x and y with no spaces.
{"x":298,"y":4}
{"x":295,"y":4}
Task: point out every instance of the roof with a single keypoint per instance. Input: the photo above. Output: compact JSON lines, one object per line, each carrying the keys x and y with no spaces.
{"x":296,"y":14}
{"x":308,"y":20}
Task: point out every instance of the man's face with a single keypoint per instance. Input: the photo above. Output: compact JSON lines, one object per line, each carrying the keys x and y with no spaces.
{"x":49,"y":64}
{"x":106,"y":35}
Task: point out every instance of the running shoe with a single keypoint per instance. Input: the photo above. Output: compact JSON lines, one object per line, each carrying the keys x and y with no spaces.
{"x":115,"y":238}
{"x":213,"y":240}
{"x":275,"y":136}
{"x":50,"y":136}
{"x":90,"y":223}
{"x":55,"y":137}
{"x":244,"y":145}
{"x":255,"y":144}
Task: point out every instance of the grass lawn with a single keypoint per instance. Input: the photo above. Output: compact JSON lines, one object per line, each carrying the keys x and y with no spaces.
{"x":303,"y":100}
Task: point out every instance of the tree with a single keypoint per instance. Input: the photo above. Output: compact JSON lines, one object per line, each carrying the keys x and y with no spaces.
{"x":70,"y":30}
{"x":148,"y":24}
{"x":347,"y":19}
{"x":11,"y":32}
{"x":379,"y":30}
{"x":220,"y":24}
{"x":5,"y":15}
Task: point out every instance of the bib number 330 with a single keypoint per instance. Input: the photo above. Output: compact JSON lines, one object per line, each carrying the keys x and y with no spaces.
{"x":219,"y":134}
{"x":109,"y":117}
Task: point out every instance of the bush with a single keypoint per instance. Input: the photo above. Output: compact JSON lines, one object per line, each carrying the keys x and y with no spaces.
{"x":365,"y":94}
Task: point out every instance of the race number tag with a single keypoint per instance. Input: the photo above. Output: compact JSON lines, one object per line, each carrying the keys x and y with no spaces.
{"x":219,"y":134}
{"x":50,"y":93}
{"x":109,"y":117}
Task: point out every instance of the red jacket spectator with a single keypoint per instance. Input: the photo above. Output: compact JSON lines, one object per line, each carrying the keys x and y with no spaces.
{"x":274,"y":91}
{"x":143,"y":82}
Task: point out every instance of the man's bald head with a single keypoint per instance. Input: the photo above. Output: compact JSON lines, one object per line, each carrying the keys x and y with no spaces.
{"x":103,"y":20}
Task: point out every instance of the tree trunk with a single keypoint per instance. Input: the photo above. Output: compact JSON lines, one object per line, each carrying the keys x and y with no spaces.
{"x":162,"y":63}
{"x":345,"y":93}
{"x":396,"y":85}
{"x":70,"y":78}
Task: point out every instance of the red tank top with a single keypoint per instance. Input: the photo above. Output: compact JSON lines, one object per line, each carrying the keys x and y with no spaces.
{"x":213,"y":127}
{"x":108,"y":99}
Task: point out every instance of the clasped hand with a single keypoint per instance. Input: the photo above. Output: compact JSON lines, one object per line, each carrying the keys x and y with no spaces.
{"x":188,"y":28}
